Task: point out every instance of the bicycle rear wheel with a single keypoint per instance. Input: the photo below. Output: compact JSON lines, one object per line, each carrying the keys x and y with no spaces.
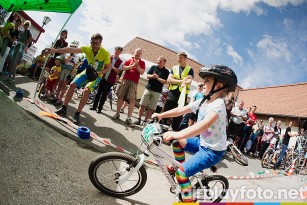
{"x":211,"y":188}
{"x":105,"y":169}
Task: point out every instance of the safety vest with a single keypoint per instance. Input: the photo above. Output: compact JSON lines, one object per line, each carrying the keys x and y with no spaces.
{"x":176,"y":75}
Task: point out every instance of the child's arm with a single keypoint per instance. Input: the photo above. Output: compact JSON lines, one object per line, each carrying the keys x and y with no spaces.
{"x":193,"y":130}
{"x":173,"y":113}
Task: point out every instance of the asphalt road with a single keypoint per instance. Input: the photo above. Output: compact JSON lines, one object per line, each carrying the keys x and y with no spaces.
{"x":41,"y":166}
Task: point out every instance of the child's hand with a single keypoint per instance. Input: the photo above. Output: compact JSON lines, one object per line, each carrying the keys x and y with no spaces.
{"x":170,"y":136}
{"x":156,"y":115}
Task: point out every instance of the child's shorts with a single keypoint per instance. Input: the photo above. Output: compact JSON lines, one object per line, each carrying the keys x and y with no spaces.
{"x":203,"y":157}
{"x":50,"y":84}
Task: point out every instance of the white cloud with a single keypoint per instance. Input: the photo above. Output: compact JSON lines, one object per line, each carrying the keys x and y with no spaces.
{"x":164,"y":22}
{"x":189,"y":26}
{"x":279,"y":3}
{"x":168,"y":23}
{"x":235,"y":56}
{"x":274,"y":48}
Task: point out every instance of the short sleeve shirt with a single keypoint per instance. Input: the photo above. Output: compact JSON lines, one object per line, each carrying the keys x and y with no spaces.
{"x":102,"y":57}
{"x":133,"y":74}
{"x":215,"y":136}
{"x":237,"y":111}
{"x":57,"y":69}
{"x":60,"y":44}
{"x":287,"y":136}
{"x":40,"y":59}
{"x":154,"y":84}
{"x":252,"y":116}
{"x":13,"y":34}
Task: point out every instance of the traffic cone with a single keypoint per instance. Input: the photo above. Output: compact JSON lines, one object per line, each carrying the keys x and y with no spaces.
{"x":290,"y":173}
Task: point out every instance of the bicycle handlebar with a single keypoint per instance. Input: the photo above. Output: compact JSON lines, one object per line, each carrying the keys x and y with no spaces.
{"x":165,"y":128}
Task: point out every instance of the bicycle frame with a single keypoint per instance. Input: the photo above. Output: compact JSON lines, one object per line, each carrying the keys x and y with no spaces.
{"x":158,"y":155}
{"x":290,"y":154}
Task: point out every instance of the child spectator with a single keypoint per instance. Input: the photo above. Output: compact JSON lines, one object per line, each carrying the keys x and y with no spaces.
{"x":36,"y":67}
{"x":68,"y":68}
{"x":162,"y":100}
{"x":53,"y":77}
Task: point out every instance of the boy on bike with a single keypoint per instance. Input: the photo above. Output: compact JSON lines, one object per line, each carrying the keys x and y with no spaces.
{"x":207,"y":138}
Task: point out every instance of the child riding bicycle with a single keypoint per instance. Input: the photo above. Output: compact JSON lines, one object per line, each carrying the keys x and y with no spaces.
{"x":207,"y":138}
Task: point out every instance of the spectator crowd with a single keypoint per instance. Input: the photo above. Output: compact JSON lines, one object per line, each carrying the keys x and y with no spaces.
{"x":64,"y":73}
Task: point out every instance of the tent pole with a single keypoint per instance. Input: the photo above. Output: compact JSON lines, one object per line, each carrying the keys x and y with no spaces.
{"x":44,"y":67}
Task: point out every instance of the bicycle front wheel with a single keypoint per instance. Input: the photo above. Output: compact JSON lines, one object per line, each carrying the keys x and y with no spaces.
{"x":212,"y":188}
{"x":238,"y":155}
{"x":105,"y":169}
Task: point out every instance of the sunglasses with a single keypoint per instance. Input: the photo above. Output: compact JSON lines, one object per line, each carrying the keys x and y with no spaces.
{"x":95,"y":43}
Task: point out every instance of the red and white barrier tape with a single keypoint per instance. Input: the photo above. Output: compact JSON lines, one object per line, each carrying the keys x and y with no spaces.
{"x":253,"y":177}
{"x":92,"y":134}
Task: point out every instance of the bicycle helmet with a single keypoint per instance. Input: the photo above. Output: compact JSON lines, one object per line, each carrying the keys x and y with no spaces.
{"x":221,"y":73}
{"x":74,"y":44}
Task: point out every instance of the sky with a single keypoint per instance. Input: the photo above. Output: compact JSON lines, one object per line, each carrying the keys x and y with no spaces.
{"x":263,"y":41}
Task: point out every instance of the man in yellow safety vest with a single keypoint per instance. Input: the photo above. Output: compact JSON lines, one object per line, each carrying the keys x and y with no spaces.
{"x":180,"y":76}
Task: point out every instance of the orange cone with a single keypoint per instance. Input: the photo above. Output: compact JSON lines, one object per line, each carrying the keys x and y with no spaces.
{"x":290,"y":173}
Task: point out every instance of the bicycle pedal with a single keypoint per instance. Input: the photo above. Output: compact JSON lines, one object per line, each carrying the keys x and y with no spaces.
{"x":213,"y":169}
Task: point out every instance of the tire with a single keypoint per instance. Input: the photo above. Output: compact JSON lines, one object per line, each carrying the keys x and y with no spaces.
{"x":109,"y":166}
{"x":266,"y":158}
{"x":210,"y":184}
{"x":41,"y":90}
{"x":238,"y":155}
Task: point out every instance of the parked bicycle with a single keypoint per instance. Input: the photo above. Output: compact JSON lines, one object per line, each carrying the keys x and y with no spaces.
{"x":231,"y":146}
{"x":112,"y":95}
{"x":295,"y":155}
{"x":79,"y":92}
{"x":120,"y":175}
{"x":236,"y":153}
{"x":41,"y":88}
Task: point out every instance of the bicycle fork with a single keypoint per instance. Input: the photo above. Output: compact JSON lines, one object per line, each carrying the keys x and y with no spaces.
{"x":122,"y":178}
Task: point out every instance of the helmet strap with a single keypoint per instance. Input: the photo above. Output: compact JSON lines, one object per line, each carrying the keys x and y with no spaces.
{"x":207,"y":97}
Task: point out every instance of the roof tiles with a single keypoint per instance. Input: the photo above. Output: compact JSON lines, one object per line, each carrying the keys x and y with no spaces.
{"x":285,"y":100}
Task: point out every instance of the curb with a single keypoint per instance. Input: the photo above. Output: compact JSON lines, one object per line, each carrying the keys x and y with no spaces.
{"x":90,"y":143}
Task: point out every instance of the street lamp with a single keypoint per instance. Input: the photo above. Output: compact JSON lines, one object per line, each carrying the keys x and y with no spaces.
{"x":46,"y":21}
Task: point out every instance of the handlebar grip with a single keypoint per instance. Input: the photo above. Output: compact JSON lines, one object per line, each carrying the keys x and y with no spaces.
{"x":155,"y":119}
